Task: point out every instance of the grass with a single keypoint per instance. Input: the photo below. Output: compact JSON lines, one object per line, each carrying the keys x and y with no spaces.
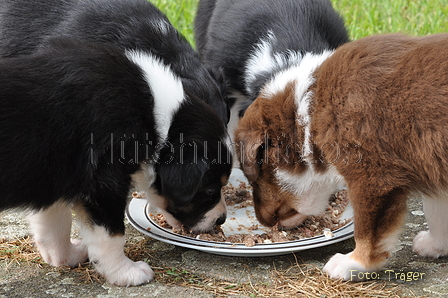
{"x":181,"y":13}
{"x":362,"y":17}
{"x":412,"y":17}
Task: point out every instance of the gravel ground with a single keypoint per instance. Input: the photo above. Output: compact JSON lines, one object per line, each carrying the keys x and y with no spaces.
{"x":19,"y":279}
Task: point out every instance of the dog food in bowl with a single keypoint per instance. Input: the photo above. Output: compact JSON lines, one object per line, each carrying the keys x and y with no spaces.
{"x":242,"y":226}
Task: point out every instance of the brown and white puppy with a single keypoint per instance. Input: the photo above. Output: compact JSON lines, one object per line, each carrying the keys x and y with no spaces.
{"x":371,"y":115}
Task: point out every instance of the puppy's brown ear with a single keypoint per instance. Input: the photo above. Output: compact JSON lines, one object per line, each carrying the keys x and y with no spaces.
{"x":248,"y":145}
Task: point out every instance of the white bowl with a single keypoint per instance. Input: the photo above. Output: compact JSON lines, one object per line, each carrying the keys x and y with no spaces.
{"x":138,"y":214}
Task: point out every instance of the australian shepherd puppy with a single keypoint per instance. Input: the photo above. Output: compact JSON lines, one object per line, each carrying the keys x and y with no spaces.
{"x":252,"y":40}
{"x":96,"y":99}
{"x":372,"y":115}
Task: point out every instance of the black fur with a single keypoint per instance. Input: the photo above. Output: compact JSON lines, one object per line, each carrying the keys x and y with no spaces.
{"x":226,"y":32}
{"x":130,"y":24}
{"x":191,"y":167}
{"x":76,"y":120}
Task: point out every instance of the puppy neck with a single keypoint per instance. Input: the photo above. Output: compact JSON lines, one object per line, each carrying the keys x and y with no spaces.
{"x":301,"y":75}
{"x":166,"y":87}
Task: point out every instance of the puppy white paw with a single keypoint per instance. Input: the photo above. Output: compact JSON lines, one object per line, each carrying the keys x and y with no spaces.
{"x":131,"y":274}
{"x":426,"y":246}
{"x":342,"y":266}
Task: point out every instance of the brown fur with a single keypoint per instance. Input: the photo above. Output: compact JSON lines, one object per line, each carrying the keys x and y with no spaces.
{"x":383,"y":101}
{"x":273,"y":144}
{"x":390,"y":95}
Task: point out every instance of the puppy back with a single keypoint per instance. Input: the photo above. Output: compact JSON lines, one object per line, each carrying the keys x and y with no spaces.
{"x":387,"y":96}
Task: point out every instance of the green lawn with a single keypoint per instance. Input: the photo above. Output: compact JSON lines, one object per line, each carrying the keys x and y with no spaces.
{"x":181,"y":14}
{"x":413,"y":17}
{"x":362,"y":17}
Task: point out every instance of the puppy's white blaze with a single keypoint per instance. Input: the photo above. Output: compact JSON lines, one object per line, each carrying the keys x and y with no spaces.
{"x":166,"y":87}
{"x":263,"y":59}
{"x":303,"y":97}
{"x":168,"y":95}
{"x":210,"y":217}
{"x":312,"y":190}
{"x":260,"y":61}
{"x":300,"y":73}
{"x":302,"y":76}
{"x":304,"y":120}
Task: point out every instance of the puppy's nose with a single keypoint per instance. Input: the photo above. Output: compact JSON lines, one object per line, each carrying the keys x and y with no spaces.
{"x":221,"y":220}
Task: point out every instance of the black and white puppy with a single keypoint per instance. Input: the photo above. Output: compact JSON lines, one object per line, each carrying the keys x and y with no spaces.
{"x":130,"y":24}
{"x":252,"y":40}
{"x":82,"y":122}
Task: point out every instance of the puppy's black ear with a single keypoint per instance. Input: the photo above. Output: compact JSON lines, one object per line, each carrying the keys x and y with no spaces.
{"x":222,"y":86}
{"x":179,"y":180}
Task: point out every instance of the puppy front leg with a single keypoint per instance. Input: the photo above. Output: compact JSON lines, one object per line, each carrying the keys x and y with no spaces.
{"x":106,"y":252}
{"x":377,"y":225}
{"x":51,"y":229}
{"x":102,"y":231}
